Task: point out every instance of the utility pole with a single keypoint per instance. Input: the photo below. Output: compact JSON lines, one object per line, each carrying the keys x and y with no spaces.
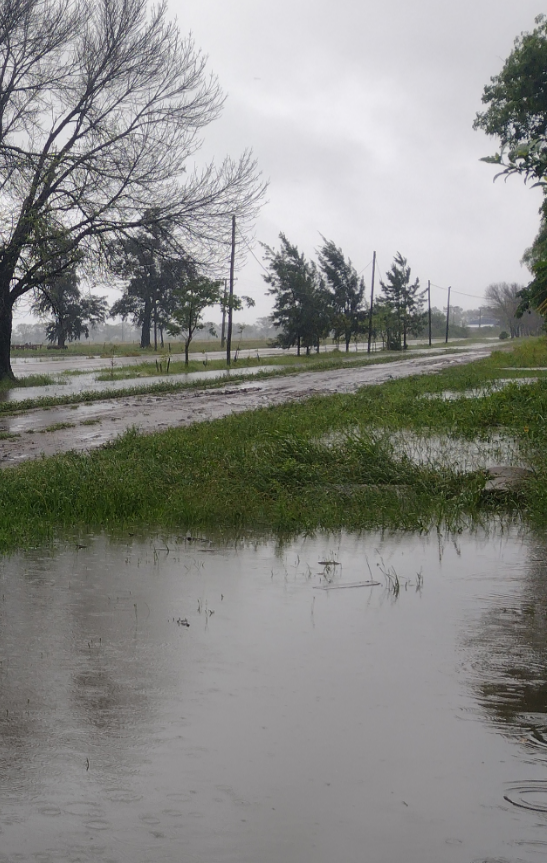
{"x":230,"y":303}
{"x":223,"y":332}
{"x":429,"y":309}
{"x":371,"y":303}
{"x":447,"y":315}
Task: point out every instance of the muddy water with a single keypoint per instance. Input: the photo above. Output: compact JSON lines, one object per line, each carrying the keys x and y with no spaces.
{"x":109,"y":418}
{"x":286,"y":722}
{"x":86,"y":383}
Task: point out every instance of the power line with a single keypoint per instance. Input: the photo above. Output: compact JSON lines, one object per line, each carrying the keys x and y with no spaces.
{"x":360,"y":273}
{"x":251,"y":251}
{"x":433,"y":285}
{"x":473,"y":296}
{"x":461,"y":293}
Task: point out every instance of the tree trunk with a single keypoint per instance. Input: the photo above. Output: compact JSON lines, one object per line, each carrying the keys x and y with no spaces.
{"x":61,"y":337}
{"x":186,"y":349}
{"x":6,"y":321}
{"x":146,"y":323}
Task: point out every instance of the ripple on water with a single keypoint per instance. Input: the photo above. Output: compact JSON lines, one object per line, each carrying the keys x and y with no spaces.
{"x":50,"y":811}
{"x":97,"y":824}
{"x":493,"y":860}
{"x":123,"y":795}
{"x":528,"y":795}
{"x":83,"y":808}
{"x":151,"y":820}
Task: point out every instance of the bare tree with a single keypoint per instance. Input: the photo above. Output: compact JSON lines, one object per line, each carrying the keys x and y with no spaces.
{"x":503,"y":303}
{"x":102,"y":103}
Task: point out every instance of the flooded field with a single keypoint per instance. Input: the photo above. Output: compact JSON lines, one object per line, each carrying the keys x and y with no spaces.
{"x":171,"y":700}
{"x":87,"y":426}
{"x":85,"y":383}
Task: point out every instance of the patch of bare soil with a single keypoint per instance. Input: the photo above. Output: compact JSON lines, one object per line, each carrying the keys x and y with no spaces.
{"x":87,"y":426}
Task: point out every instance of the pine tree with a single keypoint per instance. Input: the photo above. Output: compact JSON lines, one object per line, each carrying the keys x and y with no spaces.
{"x":302,"y":304}
{"x":404,"y":301}
{"x":347,"y":292}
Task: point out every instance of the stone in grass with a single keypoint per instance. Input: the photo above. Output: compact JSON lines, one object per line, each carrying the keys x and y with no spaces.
{"x":505,"y":478}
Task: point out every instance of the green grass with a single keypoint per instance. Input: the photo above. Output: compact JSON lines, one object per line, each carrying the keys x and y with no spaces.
{"x":237,"y":375}
{"x":260,"y":471}
{"x":287,"y":364}
{"x":326,"y":463}
{"x":30,"y":381}
{"x":57,"y":427}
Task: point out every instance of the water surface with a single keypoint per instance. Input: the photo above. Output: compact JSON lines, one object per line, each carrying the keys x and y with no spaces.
{"x":286,"y":722}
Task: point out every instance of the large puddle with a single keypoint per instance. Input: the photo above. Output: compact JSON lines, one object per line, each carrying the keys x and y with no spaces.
{"x":86,"y":383}
{"x":89,"y":368}
{"x":284,"y":722}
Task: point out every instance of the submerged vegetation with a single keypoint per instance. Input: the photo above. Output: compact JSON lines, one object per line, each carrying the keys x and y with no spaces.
{"x":329,"y":462}
{"x":284,"y":365}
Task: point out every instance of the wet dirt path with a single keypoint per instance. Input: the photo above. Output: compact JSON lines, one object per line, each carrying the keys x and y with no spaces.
{"x":87,"y":426}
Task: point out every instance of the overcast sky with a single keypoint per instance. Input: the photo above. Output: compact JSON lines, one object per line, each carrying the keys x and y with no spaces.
{"x":360,"y":115}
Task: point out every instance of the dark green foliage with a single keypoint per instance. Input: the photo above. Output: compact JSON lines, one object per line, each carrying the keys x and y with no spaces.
{"x":349,"y":313}
{"x":517,"y":107}
{"x":517,"y":116}
{"x":517,"y":97}
{"x":402,"y":305}
{"x":189,"y":300}
{"x":153,"y":272}
{"x":534,"y":297}
{"x":73,"y":314}
{"x":303,"y":310}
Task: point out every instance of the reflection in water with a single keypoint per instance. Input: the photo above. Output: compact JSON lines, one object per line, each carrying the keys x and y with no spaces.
{"x":511,"y":646}
{"x":284,"y":723}
{"x":508,"y":645}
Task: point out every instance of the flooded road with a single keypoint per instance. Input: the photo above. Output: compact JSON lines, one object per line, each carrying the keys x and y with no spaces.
{"x":285,"y":722}
{"x":36,"y":365}
{"x":90,"y":425}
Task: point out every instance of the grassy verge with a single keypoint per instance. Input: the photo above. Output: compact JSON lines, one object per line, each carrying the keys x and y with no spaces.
{"x":326,"y":463}
{"x":287,"y":364}
{"x":29,"y":381}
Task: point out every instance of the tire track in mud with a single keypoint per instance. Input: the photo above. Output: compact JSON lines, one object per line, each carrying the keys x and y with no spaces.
{"x":88,"y":426}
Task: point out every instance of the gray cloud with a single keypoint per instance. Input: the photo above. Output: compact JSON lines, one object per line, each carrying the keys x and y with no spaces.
{"x":360,"y":115}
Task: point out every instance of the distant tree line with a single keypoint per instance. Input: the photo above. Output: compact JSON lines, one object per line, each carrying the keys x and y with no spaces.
{"x":313,"y":300}
{"x":166,"y":293}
